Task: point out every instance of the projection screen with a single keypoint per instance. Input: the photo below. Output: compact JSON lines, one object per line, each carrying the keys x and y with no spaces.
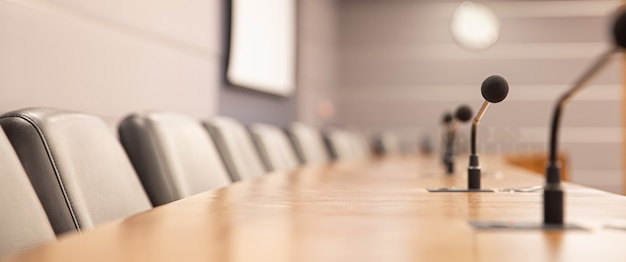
{"x":263,"y":45}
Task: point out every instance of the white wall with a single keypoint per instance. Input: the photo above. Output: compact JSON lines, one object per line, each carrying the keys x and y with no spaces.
{"x":111,"y":57}
{"x":399,"y":69}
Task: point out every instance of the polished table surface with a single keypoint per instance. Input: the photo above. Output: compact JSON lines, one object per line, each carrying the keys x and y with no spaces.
{"x":371,"y":211}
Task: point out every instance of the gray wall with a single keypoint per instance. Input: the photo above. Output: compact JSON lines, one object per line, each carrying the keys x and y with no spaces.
{"x":315,"y":75}
{"x":399,"y":68}
{"x":249,"y":106}
{"x":317,"y":65}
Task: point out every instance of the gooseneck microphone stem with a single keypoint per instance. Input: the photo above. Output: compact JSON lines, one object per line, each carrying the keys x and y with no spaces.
{"x":462,"y":114}
{"x":580,"y":84}
{"x":553,"y":195}
{"x":449,"y":154}
{"x":449,"y":138}
{"x":475,"y":125}
{"x":473,"y":170}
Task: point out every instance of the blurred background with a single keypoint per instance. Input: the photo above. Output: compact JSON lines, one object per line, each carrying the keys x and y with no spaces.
{"x":366,"y":65}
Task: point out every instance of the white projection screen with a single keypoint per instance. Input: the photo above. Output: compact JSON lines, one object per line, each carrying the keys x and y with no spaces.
{"x":263,"y":45}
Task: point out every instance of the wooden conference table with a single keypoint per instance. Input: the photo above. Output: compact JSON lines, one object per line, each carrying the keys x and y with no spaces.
{"x":371,"y":211}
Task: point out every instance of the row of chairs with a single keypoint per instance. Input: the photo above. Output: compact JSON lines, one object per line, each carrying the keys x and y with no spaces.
{"x":65,"y":171}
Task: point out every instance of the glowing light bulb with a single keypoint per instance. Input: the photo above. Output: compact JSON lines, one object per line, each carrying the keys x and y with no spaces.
{"x":475,"y":26}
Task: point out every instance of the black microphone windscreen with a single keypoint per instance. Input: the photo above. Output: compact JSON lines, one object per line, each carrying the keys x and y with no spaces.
{"x":447,"y":118}
{"x":619,"y":29}
{"x":494,"y":89}
{"x":464,"y":113}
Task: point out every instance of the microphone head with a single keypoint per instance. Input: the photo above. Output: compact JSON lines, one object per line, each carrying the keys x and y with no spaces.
{"x":494,"y":88}
{"x":619,"y":29}
{"x":447,"y":118}
{"x":463,"y":113}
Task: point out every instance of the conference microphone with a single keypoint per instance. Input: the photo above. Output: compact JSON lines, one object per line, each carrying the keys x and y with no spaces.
{"x":553,"y":195}
{"x":494,"y":89}
{"x":445,"y":138}
{"x":462,"y":115}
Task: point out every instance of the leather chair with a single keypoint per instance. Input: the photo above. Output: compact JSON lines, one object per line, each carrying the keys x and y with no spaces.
{"x":23,"y":222}
{"x":361,"y":145}
{"x":77,"y":167}
{"x":173,"y":155}
{"x":309,"y":144}
{"x":236,"y":147}
{"x":386,"y":143}
{"x":348,"y":146}
{"x":274,"y":147}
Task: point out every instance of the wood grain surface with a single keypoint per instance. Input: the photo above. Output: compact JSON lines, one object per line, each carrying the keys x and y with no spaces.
{"x":369,"y":211}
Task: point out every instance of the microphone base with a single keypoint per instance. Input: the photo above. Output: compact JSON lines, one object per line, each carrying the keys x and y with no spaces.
{"x":493,"y":175}
{"x":449,"y":168}
{"x":458,"y":190}
{"x":553,"y":204}
{"x":553,"y":197}
{"x":473,"y":177}
{"x":473,"y":173}
{"x":517,"y":225}
{"x":448,"y":162}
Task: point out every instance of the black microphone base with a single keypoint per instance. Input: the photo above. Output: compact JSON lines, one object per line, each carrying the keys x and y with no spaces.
{"x":473,"y":173}
{"x":553,"y":204}
{"x":450,"y":168}
{"x":458,"y":190}
{"x":448,"y":162}
{"x":473,"y":178}
{"x":553,"y":196}
{"x":515,"y":225}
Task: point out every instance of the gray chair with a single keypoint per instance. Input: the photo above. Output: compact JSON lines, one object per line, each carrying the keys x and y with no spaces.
{"x":77,"y":167}
{"x":23,"y":222}
{"x":274,"y":147}
{"x":235,"y":144}
{"x":173,"y":155}
{"x":348,"y":146}
{"x":386,"y":143}
{"x":309,"y":144}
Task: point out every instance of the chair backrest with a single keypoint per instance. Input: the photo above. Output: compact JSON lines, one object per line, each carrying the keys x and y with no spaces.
{"x":235,"y":144}
{"x":23,"y":222}
{"x":309,"y":143}
{"x":347,"y":145}
{"x":386,"y":143}
{"x":274,"y":147}
{"x":77,"y":167}
{"x":361,"y":145}
{"x":173,"y":155}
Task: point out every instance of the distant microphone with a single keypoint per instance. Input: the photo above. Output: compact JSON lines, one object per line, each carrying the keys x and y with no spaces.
{"x":447,"y":118}
{"x":462,"y":115}
{"x":445,"y":138}
{"x":553,"y":195}
{"x":494,"y":89}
